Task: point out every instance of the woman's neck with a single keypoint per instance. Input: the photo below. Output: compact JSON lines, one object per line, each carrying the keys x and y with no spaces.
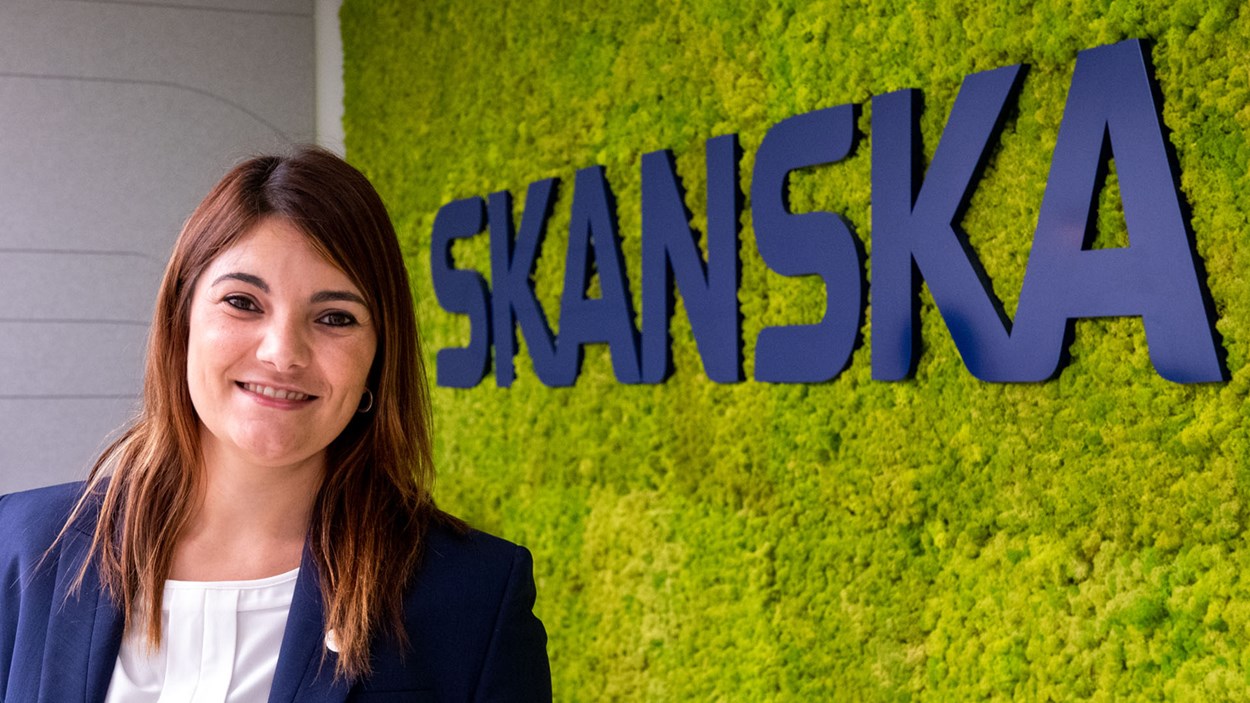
{"x":249,"y":522}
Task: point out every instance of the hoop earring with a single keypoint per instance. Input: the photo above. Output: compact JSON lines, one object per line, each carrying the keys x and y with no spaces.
{"x":366,"y":407}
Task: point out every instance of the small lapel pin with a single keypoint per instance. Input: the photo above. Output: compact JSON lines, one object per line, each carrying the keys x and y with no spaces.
{"x":332,"y":641}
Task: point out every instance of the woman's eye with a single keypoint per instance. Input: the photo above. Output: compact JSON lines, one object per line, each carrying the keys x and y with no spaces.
{"x":337,"y":319}
{"x":242,"y":302}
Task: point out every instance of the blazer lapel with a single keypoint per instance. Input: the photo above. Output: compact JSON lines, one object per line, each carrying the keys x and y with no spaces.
{"x":72,"y":671}
{"x":302,"y":673}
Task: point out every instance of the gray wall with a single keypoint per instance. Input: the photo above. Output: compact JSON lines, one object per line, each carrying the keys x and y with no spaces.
{"x":116,"y":116}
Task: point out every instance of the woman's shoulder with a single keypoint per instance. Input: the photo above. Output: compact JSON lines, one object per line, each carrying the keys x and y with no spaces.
{"x":469,"y":567}
{"x":470,"y":619}
{"x":31,"y":520}
{"x":453,"y":547}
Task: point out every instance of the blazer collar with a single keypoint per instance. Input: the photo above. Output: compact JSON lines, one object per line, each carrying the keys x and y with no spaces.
{"x":303,"y":673}
{"x":84,"y":631}
{"x":72,"y":671}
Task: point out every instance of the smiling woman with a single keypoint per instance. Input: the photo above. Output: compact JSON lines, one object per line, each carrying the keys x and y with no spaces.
{"x":276,"y":326}
{"x":265,"y":530}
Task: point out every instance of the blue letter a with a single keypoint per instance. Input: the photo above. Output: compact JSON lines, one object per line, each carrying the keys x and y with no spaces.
{"x":595,"y":247}
{"x":1111,"y":112}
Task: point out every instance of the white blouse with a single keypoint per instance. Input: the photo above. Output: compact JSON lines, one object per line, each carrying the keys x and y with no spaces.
{"x":220,"y":642}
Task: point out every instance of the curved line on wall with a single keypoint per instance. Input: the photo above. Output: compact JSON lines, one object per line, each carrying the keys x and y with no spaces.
{"x":70,"y":321}
{"x":141,"y":81}
{"x":202,"y":8}
{"x":76,"y":320}
{"x":52,"y":396}
{"x":82,"y":252}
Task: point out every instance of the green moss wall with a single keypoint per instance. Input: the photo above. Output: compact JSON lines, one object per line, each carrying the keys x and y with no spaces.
{"x":935,"y":539}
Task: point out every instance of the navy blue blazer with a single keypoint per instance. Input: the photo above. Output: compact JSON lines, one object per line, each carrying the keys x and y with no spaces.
{"x":468,"y":612}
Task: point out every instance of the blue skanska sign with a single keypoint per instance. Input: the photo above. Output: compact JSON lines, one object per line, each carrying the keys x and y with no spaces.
{"x":1112,"y":111}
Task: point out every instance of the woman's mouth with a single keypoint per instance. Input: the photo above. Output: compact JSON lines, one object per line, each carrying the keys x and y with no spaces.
{"x":274,"y":393}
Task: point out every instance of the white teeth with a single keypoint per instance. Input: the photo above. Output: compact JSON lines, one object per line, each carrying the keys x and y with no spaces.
{"x":275,"y":393}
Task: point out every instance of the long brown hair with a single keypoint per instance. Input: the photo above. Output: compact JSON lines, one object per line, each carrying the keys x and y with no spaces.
{"x":372,"y":510}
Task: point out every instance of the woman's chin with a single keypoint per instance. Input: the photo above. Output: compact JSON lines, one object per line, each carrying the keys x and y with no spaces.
{"x":275,"y":452}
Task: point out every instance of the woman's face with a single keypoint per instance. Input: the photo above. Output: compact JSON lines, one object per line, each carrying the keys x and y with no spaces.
{"x":279,"y":349}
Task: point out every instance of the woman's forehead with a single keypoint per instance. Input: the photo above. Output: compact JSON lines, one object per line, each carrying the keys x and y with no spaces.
{"x":277,"y":249}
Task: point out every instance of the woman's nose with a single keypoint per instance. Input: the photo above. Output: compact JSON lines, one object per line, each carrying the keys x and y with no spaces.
{"x":285,"y":344}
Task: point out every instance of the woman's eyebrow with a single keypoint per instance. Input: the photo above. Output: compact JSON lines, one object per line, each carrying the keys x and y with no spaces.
{"x":338,"y":295}
{"x":245,"y":277}
{"x":324,"y":296}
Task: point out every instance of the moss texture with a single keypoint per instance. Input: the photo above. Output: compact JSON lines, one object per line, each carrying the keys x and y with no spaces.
{"x":936,"y":539}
